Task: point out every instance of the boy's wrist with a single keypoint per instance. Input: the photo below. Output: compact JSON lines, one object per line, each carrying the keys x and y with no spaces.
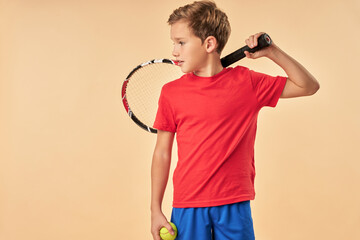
{"x":156,"y":213}
{"x":155,"y":208}
{"x":276,"y":54}
{"x":273,"y":52}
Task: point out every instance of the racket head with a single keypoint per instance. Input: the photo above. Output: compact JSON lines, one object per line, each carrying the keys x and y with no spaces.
{"x":142,"y":87}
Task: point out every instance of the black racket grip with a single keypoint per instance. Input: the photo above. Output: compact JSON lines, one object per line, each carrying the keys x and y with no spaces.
{"x":263,"y":41}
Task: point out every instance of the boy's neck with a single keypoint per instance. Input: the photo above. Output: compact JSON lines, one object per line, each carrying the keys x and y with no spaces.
{"x":211,"y":68}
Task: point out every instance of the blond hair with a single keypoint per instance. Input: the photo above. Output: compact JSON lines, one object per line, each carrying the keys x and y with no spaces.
{"x":205,"y":20}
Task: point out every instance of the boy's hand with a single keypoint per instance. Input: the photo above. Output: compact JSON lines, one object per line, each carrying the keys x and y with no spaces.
{"x":158,"y":220}
{"x":252,"y":42}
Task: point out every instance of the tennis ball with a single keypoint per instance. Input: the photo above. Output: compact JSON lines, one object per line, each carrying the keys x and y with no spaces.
{"x":165,"y":235}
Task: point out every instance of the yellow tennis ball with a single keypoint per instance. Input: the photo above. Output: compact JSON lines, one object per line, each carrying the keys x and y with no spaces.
{"x":165,"y":235}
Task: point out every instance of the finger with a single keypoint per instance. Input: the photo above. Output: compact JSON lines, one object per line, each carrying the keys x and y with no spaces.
{"x":251,"y":41}
{"x":256,"y":40}
{"x":247,"y":54}
{"x":169,"y":228}
{"x":256,"y":37}
{"x":156,"y":236}
{"x":156,"y":233}
{"x":247,"y":41}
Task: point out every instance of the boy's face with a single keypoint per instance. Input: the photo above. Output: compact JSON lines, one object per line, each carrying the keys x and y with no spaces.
{"x":188,"y":48}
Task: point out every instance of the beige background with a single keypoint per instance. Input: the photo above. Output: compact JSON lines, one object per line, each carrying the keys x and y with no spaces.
{"x":73,"y":165}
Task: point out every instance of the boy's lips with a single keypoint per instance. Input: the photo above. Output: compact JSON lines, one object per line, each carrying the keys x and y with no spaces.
{"x":178,"y":62}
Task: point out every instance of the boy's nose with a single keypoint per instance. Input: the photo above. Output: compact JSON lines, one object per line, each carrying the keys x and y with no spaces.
{"x":175,"y":53}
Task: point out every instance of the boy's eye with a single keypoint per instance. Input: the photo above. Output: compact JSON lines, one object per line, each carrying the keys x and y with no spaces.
{"x":179,"y":42}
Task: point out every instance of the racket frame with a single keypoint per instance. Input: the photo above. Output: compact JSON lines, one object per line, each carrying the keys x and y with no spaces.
{"x":124,"y":87}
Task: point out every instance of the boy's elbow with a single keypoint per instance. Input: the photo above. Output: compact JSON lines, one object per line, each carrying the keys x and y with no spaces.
{"x":314,"y":89}
{"x":162,"y":156}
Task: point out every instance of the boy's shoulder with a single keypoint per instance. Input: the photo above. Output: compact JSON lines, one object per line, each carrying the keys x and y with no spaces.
{"x":177,"y":82}
{"x":241,"y":69}
{"x":173,"y":86}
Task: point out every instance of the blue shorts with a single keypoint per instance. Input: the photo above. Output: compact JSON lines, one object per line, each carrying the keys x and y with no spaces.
{"x":227,"y":222}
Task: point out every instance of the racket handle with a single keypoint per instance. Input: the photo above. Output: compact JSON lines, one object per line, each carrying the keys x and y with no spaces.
{"x":263,"y":41}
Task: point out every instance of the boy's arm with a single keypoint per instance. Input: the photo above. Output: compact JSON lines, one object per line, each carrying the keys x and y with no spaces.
{"x":159,"y":177}
{"x":300,"y":82}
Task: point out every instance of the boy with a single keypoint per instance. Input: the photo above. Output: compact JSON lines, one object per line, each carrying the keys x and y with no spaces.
{"x":213,"y":111}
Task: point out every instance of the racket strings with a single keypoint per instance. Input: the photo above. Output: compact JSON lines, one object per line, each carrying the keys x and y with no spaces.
{"x":144,"y":88}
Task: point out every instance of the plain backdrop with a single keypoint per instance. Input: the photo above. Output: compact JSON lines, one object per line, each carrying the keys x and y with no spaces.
{"x":74,"y":166}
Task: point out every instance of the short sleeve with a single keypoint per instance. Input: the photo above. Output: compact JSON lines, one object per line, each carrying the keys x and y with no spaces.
{"x":164,"y":117}
{"x":267,"y":88}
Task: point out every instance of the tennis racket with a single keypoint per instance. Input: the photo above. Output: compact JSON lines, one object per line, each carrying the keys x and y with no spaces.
{"x":142,"y":87}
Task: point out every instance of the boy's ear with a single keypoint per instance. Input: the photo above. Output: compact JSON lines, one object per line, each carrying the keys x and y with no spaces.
{"x":210,"y":44}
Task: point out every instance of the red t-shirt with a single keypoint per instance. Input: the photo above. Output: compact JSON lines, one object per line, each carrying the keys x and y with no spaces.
{"x":215,"y":121}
